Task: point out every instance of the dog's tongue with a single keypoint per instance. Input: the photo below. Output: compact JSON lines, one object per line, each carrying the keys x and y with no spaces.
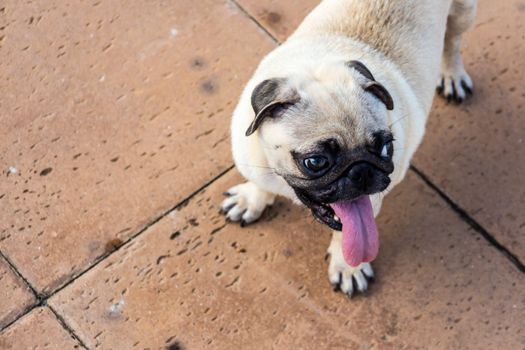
{"x":360,"y":237}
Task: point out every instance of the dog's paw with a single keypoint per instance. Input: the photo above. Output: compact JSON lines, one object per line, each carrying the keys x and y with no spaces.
{"x":454,"y":84}
{"x":344,"y":277}
{"x":348,"y":279}
{"x":246,"y":203}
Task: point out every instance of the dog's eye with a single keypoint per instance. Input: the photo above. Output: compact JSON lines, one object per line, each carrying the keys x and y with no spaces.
{"x":387,"y":150}
{"x":316,"y":164}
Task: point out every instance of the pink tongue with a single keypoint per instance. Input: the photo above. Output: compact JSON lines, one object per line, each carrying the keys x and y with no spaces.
{"x":360,"y":237}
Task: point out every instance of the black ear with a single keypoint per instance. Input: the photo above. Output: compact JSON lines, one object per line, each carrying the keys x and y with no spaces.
{"x":267,"y":96}
{"x":373,"y":86}
{"x":381,"y":93}
{"x":361,"y":68}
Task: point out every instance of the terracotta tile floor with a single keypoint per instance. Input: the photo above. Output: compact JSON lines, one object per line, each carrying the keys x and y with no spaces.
{"x":114,"y":151}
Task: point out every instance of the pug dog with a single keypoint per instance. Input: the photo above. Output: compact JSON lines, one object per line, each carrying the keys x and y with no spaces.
{"x":332,"y":117}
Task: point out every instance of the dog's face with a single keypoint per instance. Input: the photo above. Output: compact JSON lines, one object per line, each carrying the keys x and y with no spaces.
{"x":326,"y":134}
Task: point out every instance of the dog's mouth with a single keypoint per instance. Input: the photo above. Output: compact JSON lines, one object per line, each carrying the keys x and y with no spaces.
{"x":355,"y":218}
{"x":321,"y":211}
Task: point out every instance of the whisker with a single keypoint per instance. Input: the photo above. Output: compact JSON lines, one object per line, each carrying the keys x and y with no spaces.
{"x":258,"y":166}
{"x":271,"y":172}
{"x":268,"y":174}
{"x":403,"y":117}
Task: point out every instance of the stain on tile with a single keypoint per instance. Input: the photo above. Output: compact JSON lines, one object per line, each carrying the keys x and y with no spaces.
{"x":279,"y":18}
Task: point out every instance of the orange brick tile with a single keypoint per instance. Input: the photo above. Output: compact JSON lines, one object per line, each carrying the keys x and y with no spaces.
{"x":193,"y":280}
{"x":113,"y":113}
{"x":15,"y":296}
{"x":37,"y":330}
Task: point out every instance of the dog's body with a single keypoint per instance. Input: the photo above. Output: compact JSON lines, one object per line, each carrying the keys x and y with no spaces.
{"x":402,"y":43}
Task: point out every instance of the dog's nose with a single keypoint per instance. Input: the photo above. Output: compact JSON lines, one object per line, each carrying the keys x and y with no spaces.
{"x":362,"y":176}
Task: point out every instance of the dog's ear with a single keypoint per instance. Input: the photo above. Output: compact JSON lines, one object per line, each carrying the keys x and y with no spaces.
{"x":381,"y":93}
{"x":372,"y":85}
{"x":268,"y":97}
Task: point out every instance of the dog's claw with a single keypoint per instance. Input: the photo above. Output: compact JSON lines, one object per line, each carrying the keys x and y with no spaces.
{"x":337,"y":285}
{"x":355,"y":286}
{"x":441,"y":86}
{"x":225,"y":210}
{"x":243,"y":223}
{"x":465,"y":87}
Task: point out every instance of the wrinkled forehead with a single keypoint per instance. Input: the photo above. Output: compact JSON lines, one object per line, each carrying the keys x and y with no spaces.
{"x":349,"y":120}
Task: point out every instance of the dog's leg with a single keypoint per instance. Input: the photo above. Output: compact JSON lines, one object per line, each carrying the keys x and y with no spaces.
{"x":454,"y":82}
{"x":246,"y":203}
{"x":342,"y":276}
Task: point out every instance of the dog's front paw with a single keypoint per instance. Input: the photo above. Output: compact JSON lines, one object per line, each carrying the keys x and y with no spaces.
{"x":454,"y":84}
{"x":246,"y":203}
{"x":350,"y":279}
{"x":344,"y":277}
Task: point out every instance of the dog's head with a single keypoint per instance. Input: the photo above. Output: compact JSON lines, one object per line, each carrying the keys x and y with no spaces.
{"x":326,"y":134}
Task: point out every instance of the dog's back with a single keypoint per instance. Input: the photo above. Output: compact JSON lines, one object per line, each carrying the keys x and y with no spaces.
{"x":408,"y":32}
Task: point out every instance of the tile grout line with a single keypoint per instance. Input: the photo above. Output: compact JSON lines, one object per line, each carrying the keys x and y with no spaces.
{"x":21,"y":315}
{"x":42,"y":298}
{"x":39,"y":299}
{"x":64,"y":325}
{"x":462,"y":213}
{"x":17,"y":273}
{"x":140,"y":232}
{"x":254,"y":20}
